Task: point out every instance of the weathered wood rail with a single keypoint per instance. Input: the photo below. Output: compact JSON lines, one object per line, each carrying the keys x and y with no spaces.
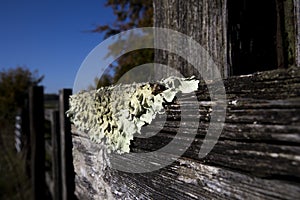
{"x":256,"y":157}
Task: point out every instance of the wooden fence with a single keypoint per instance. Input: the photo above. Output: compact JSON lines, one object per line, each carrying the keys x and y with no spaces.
{"x":50,"y":145}
{"x":256,"y":157}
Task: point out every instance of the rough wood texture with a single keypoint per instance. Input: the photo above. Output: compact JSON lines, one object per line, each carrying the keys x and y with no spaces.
{"x":204,"y":21}
{"x":257,"y":155}
{"x":297,"y":24}
{"x":208,"y":23}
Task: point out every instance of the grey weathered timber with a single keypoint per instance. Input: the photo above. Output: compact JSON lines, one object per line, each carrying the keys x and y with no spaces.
{"x":257,"y":155}
{"x":207,"y":22}
{"x":203,"y":21}
{"x":297,"y":28}
{"x":36,"y":118}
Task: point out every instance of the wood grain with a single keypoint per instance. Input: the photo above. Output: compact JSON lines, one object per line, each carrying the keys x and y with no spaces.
{"x":257,"y":155}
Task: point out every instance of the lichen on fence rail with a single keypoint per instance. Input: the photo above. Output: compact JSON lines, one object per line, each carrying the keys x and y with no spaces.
{"x":257,"y":155}
{"x":112,"y":115}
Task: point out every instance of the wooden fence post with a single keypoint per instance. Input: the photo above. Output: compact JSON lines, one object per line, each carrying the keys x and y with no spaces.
{"x":56,"y":155}
{"x":67,"y":168}
{"x":36,"y":117}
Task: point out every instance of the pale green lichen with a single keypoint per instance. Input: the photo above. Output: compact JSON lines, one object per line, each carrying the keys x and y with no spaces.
{"x":112,"y":115}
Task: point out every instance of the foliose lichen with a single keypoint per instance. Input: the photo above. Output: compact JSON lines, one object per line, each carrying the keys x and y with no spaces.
{"x":112,"y":115}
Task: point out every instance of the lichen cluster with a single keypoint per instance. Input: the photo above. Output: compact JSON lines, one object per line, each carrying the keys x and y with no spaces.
{"x":112,"y":115}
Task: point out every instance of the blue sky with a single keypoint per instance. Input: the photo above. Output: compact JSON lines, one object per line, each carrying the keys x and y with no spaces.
{"x":50,"y":36}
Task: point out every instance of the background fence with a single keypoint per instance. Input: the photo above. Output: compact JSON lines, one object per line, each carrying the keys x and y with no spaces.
{"x":47,"y":133}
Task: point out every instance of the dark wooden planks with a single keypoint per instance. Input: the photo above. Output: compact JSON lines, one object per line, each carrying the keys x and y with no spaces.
{"x":36,"y":118}
{"x":256,"y":156}
{"x":67,"y":169}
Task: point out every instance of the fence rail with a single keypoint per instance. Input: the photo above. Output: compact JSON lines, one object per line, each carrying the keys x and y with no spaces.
{"x":256,"y":156}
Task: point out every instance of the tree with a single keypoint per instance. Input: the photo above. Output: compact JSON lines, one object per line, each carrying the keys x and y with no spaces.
{"x":14,"y":84}
{"x":130,"y":14}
